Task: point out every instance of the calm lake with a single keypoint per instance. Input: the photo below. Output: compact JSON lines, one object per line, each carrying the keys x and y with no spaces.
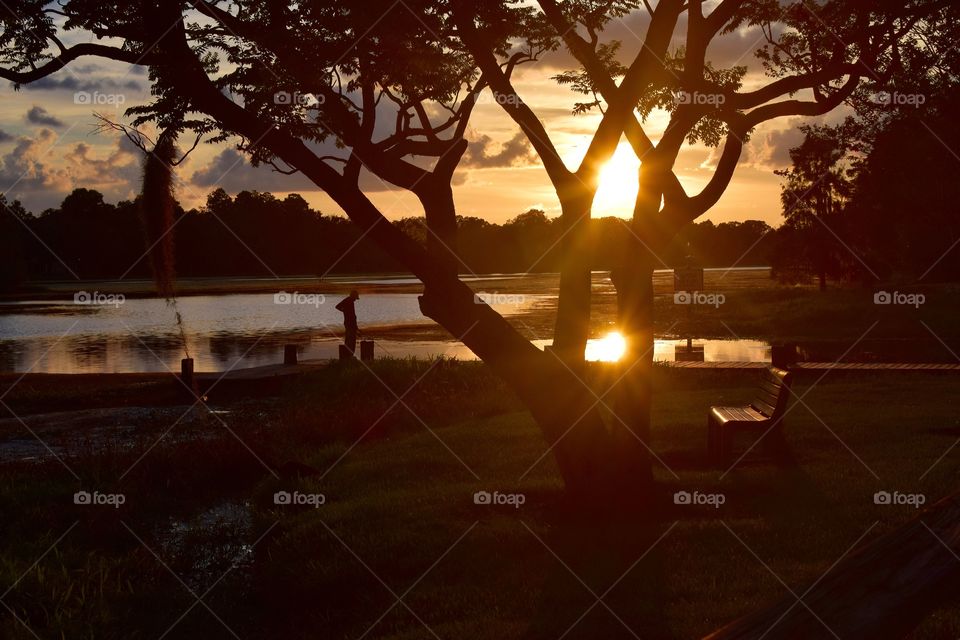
{"x":94,"y":331}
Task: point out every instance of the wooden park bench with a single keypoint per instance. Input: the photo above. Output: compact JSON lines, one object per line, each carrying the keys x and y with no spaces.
{"x":764,"y":414}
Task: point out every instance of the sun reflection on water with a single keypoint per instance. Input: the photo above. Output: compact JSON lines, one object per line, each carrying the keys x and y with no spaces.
{"x":609,"y":348}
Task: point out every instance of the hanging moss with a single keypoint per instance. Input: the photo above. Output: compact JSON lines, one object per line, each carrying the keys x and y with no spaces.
{"x":157,"y":205}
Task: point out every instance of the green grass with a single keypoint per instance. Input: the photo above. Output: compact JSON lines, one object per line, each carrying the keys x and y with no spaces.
{"x":700,"y":576}
{"x":399,"y":501}
{"x":780,"y":314}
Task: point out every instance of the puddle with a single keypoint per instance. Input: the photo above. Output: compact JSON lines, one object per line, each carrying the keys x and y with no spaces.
{"x":212,"y":545}
{"x":93,"y":431}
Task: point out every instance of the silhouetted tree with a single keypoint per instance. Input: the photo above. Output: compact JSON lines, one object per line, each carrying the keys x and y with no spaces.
{"x":813,"y":195}
{"x":902,"y":213}
{"x":14,"y":221}
{"x":418,"y":56}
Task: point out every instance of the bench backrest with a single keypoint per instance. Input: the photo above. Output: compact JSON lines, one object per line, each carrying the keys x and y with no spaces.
{"x":774,"y":392}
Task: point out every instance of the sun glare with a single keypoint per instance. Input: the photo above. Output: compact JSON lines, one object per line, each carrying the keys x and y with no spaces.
{"x":609,"y":348}
{"x":618,"y":184}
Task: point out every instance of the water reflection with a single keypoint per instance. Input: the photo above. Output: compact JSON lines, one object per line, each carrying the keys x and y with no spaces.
{"x":119,"y":354}
{"x":609,"y":348}
{"x":246,"y":330}
{"x":221,"y":332}
{"x":89,"y":352}
{"x":716,"y":350}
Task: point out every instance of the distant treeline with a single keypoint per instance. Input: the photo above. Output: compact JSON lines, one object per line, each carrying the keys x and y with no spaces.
{"x":876,"y":198}
{"x":258,"y":234}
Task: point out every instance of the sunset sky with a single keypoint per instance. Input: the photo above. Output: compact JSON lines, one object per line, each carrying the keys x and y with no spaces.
{"x":48,"y":146}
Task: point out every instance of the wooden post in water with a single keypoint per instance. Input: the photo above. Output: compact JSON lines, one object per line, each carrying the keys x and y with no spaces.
{"x":289,"y":354}
{"x":186,"y":372}
{"x":366,"y":350}
{"x":783,"y":356}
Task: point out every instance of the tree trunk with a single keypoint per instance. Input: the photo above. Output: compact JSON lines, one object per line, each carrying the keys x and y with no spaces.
{"x":633,"y":395}
{"x":555,"y":393}
{"x":572,"y":422}
{"x":634,"y":283}
{"x":558,"y":399}
{"x":436,"y":196}
{"x":573,"y":308}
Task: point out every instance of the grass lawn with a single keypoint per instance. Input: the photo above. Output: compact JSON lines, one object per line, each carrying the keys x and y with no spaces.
{"x":400,"y":550}
{"x":840,"y":315}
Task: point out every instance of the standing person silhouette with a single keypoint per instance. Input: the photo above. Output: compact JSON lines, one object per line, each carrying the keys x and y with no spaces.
{"x":346,"y":307}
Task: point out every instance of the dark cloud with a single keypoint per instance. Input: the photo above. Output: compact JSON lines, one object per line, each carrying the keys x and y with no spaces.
{"x":772,"y":148}
{"x":735,"y":48}
{"x":777,"y":145}
{"x":91,"y":67}
{"x":73,"y":83}
{"x":231,"y":171}
{"x":769,"y":146}
{"x":40,"y":116}
{"x":5,"y":137}
{"x":514,"y":152}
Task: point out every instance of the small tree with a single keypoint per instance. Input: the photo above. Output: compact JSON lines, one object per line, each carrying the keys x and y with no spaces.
{"x":813,"y":196}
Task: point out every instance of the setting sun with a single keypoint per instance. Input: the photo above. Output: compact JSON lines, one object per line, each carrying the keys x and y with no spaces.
{"x":609,"y":348}
{"x":618,"y":184}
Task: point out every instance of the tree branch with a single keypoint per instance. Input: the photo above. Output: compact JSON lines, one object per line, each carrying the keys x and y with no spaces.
{"x":69,"y":55}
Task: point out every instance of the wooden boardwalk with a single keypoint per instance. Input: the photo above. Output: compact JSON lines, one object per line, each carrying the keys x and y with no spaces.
{"x":823,"y":366}
{"x":282,"y":370}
